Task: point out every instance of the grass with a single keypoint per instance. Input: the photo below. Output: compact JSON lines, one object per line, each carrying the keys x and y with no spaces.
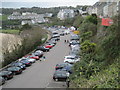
{"x":10,"y":31}
{"x":3,"y":17}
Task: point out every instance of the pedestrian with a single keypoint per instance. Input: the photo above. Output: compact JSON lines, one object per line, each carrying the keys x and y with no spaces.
{"x":44,"y":58}
{"x":65,"y":41}
{"x":68,"y":83}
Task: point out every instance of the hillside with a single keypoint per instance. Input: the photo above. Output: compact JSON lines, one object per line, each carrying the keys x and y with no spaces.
{"x":100,"y":55}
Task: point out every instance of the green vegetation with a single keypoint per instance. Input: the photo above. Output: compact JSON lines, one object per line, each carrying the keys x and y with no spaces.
{"x":76,"y":21}
{"x":30,"y":40}
{"x":100,"y":56}
{"x":3,"y":17}
{"x":26,"y":26}
{"x":10,"y":31}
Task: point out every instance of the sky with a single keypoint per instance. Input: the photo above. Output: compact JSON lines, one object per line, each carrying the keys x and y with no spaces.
{"x":45,"y":3}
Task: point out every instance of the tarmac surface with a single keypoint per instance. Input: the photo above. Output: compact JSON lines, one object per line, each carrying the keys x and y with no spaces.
{"x":40,"y":74}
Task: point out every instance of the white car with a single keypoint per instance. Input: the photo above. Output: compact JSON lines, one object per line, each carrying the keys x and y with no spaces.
{"x":71,"y":59}
{"x":31,"y":60}
{"x":38,"y":53}
{"x":28,"y":59}
{"x":66,"y":32}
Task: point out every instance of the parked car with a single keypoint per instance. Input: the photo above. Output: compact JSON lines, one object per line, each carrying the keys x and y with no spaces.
{"x":18,"y":64}
{"x":48,"y":46}
{"x":38,"y":53}
{"x":27,"y":63}
{"x":55,"y":35}
{"x":42,"y":48}
{"x":6,"y":74}
{"x":74,"y":37}
{"x":74,"y":42}
{"x":52,"y":44}
{"x":15,"y":70}
{"x":32,"y":56}
{"x":74,"y":52}
{"x":68,"y":69}
{"x":61,"y":34}
{"x":60,"y":75}
{"x":71,"y":59}
{"x":56,"y":38}
{"x":62,"y":65}
{"x":75,"y":47}
{"x":2,"y":81}
{"x":29,"y":59}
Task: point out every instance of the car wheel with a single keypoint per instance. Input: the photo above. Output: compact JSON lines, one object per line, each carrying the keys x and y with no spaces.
{"x":5,"y":78}
{"x":56,"y":79}
{"x":66,"y":62}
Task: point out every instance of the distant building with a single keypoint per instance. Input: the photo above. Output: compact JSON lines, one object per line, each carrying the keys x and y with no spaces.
{"x":30,"y":18}
{"x":105,"y":8}
{"x":65,"y":13}
{"x":16,"y":14}
{"x":48,"y":15}
{"x":30,"y":22}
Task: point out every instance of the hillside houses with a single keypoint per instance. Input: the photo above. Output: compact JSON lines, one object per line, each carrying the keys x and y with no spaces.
{"x":105,"y":8}
{"x":65,"y":13}
{"x":30,"y":18}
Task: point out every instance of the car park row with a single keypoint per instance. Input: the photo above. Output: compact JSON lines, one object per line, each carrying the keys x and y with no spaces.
{"x":62,"y":71}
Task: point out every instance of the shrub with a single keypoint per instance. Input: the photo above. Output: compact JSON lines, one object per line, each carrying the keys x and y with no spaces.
{"x":87,"y":46}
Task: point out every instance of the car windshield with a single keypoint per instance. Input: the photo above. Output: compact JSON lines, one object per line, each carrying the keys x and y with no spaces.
{"x":63,"y":74}
{"x":70,"y":58}
{"x":12,"y":68}
{"x":19,"y":64}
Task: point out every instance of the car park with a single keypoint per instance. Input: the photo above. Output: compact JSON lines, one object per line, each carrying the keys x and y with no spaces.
{"x":60,"y":75}
{"x":15,"y":70}
{"x":6,"y":74}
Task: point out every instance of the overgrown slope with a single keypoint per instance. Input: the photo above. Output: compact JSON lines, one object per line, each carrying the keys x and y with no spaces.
{"x":100,"y":55}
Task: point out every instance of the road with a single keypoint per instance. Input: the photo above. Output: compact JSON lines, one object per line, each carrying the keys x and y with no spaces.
{"x":39,"y":75}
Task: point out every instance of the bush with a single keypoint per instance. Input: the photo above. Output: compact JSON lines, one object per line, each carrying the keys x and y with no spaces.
{"x":86,"y":27}
{"x":30,"y":40}
{"x":91,"y":19}
{"x":88,"y":47}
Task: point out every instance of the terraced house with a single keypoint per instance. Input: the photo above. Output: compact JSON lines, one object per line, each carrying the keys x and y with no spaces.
{"x":105,"y":8}
{"x":30,"y":18}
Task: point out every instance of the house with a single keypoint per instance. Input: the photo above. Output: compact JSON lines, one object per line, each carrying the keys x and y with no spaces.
{"x":16,"y":14}
{"x":30,"y":22}
{"x":65,"y":13}
{"x":105,"y":8}
{"x":48,"y":15}
{"x":112,"y":8}
{"x":30,"y":18}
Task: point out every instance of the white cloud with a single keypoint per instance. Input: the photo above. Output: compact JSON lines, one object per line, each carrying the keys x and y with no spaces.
{"x":50,"y":1}
{"x":46,"y":3}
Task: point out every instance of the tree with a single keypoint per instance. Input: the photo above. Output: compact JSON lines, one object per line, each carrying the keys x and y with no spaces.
{"x":26,"y":26}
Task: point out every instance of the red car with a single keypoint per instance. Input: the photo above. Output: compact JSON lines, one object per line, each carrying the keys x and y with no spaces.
{"x":48,"y":46}
{"x":32,"y":56}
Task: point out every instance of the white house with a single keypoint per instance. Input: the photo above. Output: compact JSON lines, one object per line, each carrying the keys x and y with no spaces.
{"x":65,"y":13}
